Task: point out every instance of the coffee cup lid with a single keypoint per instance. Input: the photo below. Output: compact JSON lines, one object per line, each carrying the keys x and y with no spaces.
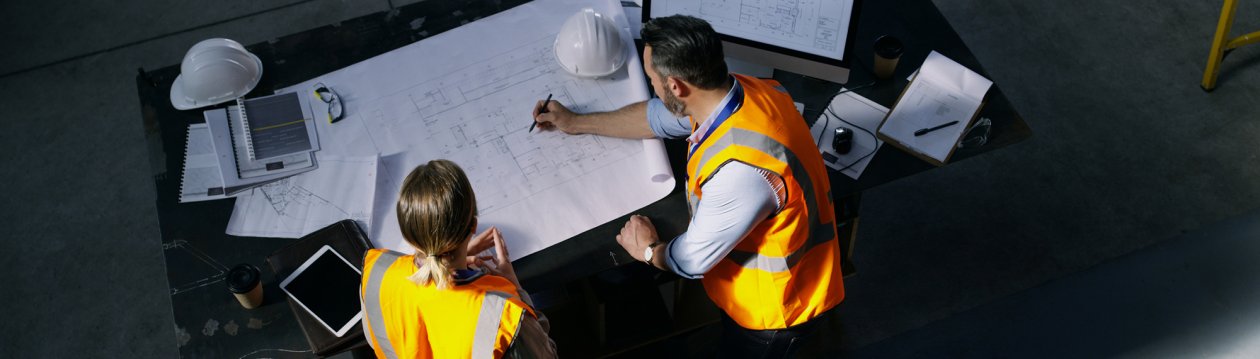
{"x":243,"y":278}
{"x":888,"y":46}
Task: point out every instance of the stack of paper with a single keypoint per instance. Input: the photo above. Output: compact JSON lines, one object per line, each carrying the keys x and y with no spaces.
{"x":936,"y":108}
{"x":230,"y":161}
{"x":228,"y":154}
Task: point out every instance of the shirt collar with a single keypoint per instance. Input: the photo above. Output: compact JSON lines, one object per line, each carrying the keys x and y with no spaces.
{"x":465,"y":276}
{"x":698,"y":134}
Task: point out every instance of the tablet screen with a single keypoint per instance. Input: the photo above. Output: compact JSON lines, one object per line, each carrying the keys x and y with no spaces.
{"x":328,"y":287}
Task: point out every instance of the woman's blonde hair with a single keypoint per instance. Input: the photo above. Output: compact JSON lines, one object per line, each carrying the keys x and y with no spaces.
{"x":437,"y":212}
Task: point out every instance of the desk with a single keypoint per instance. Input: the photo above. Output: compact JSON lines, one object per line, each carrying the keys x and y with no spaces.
{"x":209,"y":322}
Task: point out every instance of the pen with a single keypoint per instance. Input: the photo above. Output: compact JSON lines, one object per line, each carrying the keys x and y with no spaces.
{"x":540,"y":111}
{"x":924,"y":131}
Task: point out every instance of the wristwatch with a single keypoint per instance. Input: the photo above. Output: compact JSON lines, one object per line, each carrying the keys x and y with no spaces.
{"x":649,"y":252}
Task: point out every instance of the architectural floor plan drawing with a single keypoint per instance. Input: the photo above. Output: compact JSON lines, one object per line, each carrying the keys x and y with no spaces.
{"x":295,"y":206}
{"x":814,"y":26}
{"x":472,"y":105}
{"x":807,"y":22}
{"x":479,"y":117}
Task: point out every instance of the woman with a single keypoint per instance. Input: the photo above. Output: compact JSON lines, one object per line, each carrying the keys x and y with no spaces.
{"x":433,"y":304}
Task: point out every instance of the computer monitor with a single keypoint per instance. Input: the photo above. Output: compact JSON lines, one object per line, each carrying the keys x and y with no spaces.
{"x":808,"y":37}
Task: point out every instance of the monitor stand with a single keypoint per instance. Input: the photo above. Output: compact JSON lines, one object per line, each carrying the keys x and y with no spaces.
{"x":742,"y":67}
{"x":827,"y":72}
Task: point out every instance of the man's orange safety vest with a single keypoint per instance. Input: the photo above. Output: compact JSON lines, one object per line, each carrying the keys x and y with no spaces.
{"x":787,"y":270}
{"x":478,"y":319}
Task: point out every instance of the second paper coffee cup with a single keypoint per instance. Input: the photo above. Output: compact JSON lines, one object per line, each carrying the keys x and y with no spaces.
{"x":888,"y":51}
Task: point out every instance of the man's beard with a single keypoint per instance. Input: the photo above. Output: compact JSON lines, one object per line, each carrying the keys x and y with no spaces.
{"x":674,"y":105}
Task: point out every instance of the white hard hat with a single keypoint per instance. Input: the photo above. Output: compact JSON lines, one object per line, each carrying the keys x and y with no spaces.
{"x":215,"y":71}
{"x":589,"y":45}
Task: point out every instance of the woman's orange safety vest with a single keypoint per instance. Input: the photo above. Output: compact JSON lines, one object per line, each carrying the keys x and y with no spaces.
{"x":787,"y":270}
{"x":404,"y":320}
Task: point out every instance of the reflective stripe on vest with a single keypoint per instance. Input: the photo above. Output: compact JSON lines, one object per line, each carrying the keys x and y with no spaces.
{"x":373,"y":295}
{"x":488,"y":324}
{"x":818,"y":232}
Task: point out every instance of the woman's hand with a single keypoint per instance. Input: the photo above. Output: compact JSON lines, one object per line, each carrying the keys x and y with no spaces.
{"x":480,"y":243}
{"x":501,"y":263}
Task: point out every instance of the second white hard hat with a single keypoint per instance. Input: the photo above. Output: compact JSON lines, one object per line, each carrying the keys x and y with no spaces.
{"x":215,"y":71}
{"x":589,"y":45}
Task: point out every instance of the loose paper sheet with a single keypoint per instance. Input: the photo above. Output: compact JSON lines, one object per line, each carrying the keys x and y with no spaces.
{"x":863,"y":117}
{"x":466,"y":95}
{"x":342,"y":188}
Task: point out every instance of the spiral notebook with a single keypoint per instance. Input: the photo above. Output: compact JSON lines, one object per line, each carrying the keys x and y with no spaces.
{"x":200,"y":180}
{"x":275,"y":126}
{"x":249,"y":166}
{"x":230,"y":159}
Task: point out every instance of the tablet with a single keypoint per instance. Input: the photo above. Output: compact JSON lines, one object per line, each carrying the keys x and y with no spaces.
{"x":327,"y":286}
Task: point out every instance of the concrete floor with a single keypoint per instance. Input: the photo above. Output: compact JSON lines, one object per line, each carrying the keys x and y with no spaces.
{"x":1127,"y":153}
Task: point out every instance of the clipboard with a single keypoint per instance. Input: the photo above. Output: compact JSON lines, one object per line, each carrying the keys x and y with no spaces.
{"x":942,"y":91}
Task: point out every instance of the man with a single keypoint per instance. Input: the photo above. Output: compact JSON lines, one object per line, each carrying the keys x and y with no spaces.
{"x":762,"y":235}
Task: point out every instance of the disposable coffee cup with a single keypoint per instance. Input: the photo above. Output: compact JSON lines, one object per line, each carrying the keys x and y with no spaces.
{"x":245,"y":282}
{"x":887,"y":51}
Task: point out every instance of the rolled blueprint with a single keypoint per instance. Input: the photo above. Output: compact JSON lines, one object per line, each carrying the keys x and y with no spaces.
{"x":657,"y":162}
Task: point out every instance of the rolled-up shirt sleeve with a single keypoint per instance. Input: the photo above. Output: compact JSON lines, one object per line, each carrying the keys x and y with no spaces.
{"x":736,"y":199}
{"x":663,"y":123}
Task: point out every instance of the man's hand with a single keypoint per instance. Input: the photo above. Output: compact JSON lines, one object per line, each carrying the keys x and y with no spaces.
{"x":556,"y":117}
{"x":637,"y":234}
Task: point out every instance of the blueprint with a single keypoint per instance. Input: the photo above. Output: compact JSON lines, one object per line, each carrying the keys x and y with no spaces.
{"x":446,"y":98}
{"x":292,"y":207}
{"x":819,"y":27}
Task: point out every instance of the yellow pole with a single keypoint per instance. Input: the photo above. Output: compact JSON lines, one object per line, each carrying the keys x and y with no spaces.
{"x":1218,"y":45}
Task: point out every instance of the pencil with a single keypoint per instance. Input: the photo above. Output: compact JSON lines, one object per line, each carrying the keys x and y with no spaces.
{"x":540,"y":111}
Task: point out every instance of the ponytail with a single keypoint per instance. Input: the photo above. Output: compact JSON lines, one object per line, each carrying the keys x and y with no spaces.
{"x":433,"y":268}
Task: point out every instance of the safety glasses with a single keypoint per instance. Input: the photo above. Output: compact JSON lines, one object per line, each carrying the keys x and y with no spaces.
{"x":335,"y":111}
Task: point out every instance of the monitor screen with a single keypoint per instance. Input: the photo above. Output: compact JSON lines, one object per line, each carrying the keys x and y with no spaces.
{"x":820,"y":32}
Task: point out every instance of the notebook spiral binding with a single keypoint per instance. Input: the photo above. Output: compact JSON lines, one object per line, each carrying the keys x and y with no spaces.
{"x":249,"y":141}
{"x":183,"y":173}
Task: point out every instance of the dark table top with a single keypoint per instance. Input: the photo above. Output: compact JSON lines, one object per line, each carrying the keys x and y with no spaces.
{"x":211,"y":324}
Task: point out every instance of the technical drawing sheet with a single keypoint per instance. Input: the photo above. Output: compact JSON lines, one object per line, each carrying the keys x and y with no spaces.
{"x":819,"y":27}
{"x":466,"y":95}
{"x":342,"y":188}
